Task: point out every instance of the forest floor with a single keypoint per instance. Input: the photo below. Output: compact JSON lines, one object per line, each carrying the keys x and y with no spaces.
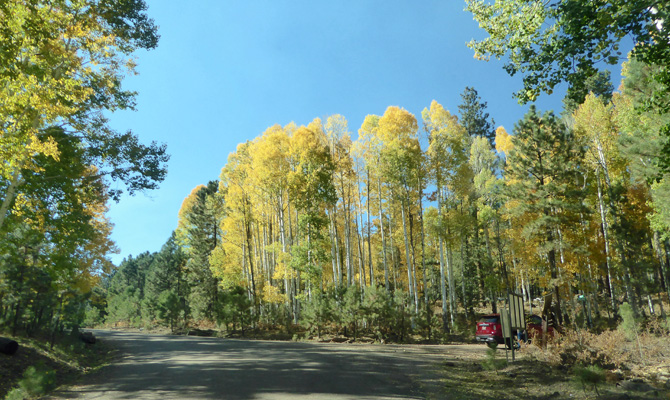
{"x":526,"y":378}
{"x":70,"y":358}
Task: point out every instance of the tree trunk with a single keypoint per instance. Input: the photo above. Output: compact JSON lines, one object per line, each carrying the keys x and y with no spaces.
{"x":423,"y":247}
{"x":381,"y":227}
{"x":443,"y":286}
{"x":372,"y":277}
{"x":410,"y":282}
{"x":10,"y":194}
{"x":605,"y":230}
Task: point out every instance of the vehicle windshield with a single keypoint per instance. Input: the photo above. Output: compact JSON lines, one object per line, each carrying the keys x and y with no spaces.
{"x":489,"y":319}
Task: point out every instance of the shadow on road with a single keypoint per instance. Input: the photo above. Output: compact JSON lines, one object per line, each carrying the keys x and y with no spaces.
{"x":163,"y":367}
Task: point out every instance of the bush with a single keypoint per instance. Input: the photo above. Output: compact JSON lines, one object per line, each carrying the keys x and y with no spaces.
{"x":37,"y":380}
{"x":589,"y":376}
{"x":492,"y":363}
{"x":629,"y":325}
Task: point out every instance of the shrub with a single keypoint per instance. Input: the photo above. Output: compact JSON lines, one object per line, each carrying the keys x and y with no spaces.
{"x":492,"y":363}
{"x":629,"y":326}
{"x":591,"y":375}
{"x":37,"y":380}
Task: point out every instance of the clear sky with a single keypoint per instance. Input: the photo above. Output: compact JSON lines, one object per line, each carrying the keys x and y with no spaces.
{"x":226,"y":70}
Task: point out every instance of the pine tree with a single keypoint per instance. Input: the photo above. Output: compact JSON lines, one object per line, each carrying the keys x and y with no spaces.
{"x":201,"y":237}
{"x":474,"y":117}
{"x":543,"y":177}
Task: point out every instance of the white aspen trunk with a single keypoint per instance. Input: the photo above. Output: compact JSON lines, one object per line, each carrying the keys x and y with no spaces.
{"x":347,"y":241}
{"x":333,"y":249}
{"x":423,"y":247}
{"x":443,"y":284}
{"x":410,"y":283}
{"x":282,"y":238}
{"x":367,"y":200}
{"x":465,"y":301}
{"x":361,"y":261}
{"x":608,"y":259}
{"x":359,"y":239}
{"x":350,"y":246}
{"x":290,"y":222}
{"x":381,"y":227}
{"x":452,"y":288}
{"x":245,"y":274}
{"x":394,"y":261}
{"x":9,"y":196}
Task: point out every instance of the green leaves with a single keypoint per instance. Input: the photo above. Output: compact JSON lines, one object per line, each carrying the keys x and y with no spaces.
{"x":553,"y":42}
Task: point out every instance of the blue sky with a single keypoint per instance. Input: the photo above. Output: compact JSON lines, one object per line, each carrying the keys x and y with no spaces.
{"x":224,"y":71}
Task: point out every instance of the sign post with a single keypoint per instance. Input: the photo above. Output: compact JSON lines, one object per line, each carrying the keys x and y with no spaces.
{"x":512,"y":319}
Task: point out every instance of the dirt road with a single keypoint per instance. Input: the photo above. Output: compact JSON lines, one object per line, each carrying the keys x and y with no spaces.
{"x":178,"y":367}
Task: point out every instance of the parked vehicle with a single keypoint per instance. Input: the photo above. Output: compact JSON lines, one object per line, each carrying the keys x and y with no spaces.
{"x":489,"y":330}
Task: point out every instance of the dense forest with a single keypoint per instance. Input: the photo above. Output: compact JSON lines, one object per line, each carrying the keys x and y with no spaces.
{"x":417,"y":224}
{"x":409,"y":224}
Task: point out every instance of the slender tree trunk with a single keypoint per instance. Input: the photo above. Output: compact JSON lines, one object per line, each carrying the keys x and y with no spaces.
{"x":466,"y":303}
{"x":452,"y":286}
{"x":333,"y":249}
{"x":368,"y":199}
{"x":605,"y":230}
{"x":423,"y":249}
{"x":443,"y":286}
{"x":361,"y":260}
{"x":10,"y":194}
{"x":381,"y":227}
{"x":410,"y":269}
{"x":553,"y":267}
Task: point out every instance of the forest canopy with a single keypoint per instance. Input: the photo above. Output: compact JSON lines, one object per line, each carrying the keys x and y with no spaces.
{"x":62,"y":64}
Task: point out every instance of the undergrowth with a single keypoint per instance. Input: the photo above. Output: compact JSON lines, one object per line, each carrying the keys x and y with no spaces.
{"x":38,"y":367}
{"x":633,"y":349}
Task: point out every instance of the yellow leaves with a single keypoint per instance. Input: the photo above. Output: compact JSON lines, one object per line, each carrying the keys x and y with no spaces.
{"x":397,"y":124}
{"x":282,"y":272}
{"x":226,"y":265}
{"x":504,"y":142}
{"x":594,"y":125}
{"x":272,"y":295}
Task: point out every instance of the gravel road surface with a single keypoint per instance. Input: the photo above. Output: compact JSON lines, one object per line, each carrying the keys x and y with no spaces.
{"x":183,"y":367}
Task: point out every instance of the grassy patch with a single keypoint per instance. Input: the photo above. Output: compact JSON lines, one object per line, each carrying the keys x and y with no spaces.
{"x":67,"y":361}
{"x":528,"y":379}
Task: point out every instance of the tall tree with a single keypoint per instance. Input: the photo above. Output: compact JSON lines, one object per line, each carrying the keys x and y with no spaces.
{"x":543,"y":176}
{"x":200,"y":232}
{"x":447,"y":157}
{"x":401,"y":159}
{"x":166,"y":290}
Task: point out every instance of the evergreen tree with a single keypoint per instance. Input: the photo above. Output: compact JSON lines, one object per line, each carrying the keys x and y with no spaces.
{"x":473,"y":116}
{"x":600,"y":84}
{"x":126,"y":291}
{"x":166,"y":290}
{"x":202,"y":236}
{"x":543,"y":177}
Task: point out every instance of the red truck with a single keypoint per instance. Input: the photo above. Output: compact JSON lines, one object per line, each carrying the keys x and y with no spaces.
{"x":489,"y":329}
